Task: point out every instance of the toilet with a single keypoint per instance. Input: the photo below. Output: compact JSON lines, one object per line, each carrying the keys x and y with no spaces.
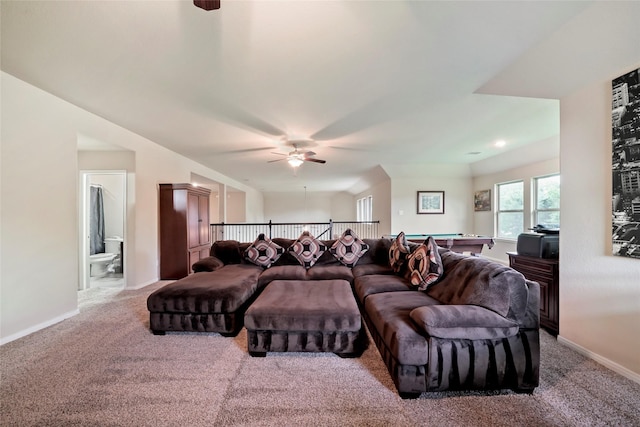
{"x":99,"y":263}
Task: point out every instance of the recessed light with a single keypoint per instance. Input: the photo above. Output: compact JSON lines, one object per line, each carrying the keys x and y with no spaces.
{"x":500,"y":143}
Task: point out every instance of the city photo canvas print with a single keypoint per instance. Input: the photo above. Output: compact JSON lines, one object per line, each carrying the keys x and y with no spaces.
{"x":625,"y":119}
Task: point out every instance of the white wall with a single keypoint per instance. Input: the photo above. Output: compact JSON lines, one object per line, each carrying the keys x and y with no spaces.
{"x":298,"y":206}
{"x":381,"y":193}
{"x":343,"y":207}
{"x":454,"y":180}
{"x":40,"y":160}
{"x":236,"y":207}
{"x":39,"y":265}
{"x":599,"y":293}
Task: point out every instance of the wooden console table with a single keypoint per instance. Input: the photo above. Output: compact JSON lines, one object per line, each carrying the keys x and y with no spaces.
{"x":545,"y":272}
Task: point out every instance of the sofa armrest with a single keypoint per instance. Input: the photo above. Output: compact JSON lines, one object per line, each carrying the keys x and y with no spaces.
{"x":209,"y":263}
{"x":463,"y":322}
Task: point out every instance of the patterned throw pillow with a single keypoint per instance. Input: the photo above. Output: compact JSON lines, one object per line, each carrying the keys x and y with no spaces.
{"x":263,"y":252}
{"x":398,"y":252}
{"x":349,"y":248}
{"x":307,"y":249}
{"x":424,"y":265}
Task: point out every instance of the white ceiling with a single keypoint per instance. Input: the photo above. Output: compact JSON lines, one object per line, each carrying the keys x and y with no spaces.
{"x":373,"y":83}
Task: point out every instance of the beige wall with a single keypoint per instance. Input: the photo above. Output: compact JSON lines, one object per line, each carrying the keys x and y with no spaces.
{"x":599,"y":293}
{"x":39,"y":265}
{"x":40,"y":221}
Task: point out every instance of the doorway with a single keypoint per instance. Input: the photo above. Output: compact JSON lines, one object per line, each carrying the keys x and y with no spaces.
{"x":103,"y":229}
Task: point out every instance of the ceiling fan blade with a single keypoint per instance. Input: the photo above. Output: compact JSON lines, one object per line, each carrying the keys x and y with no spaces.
{"x":310,"y":159}
{"x":309,"y":154}
{"x":247,"y":150}
{"x":279,"y":154}
{"x":207,"y":4}
{"x":276,"y":160}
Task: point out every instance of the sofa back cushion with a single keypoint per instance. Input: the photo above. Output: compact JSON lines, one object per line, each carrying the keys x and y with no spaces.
{"x":470,"y":280}
{"x":227,"y":251}
{"x":378,"y":252}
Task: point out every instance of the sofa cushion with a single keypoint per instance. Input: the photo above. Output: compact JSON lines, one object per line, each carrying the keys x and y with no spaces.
{"x":424,"y":265}
{"x":378,"y":252}
{"x":377,"y":283}
{"x":282,"y":272}
{"x":287,"y":258}
{"x":263,"y":252}
{"x":398,"y":252}
{"x":329,"y":272}
{"x":370,"y":269}
{"x":220,"y":291}
{"x":469,"y":280}
{"x":349,"y":248}
{"x":389,"y":313}
{"x":463,"y":322}
{"x":307,"y":249}
{"x":227,"y":251}
{"x":209,"y":263}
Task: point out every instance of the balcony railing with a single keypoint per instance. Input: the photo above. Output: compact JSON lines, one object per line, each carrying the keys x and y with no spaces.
{"x":247,"y":232}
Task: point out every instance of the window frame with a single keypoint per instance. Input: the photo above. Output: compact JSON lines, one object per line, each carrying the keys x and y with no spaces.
{"x":502,"y":211}
{"x":364,"y":209}
{"x":534,"y":193}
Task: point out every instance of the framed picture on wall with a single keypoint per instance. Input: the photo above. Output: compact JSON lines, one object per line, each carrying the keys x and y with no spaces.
{"x":430,"y":202}
{"x":482,"y":201}
{"x":625,"y":122}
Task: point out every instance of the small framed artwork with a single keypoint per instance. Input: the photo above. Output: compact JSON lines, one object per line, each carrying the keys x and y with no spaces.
{"x":482,"y":201}
{"x":430,"y":202}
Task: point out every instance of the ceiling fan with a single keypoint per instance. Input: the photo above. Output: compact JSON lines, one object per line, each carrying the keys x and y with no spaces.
{"x":207,"y":4}
{"x":296,"y":157}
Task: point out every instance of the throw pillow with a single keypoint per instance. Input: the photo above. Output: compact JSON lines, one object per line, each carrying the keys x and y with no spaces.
{"x":307,"y":249}
{"x":424,"y":265}
{"x":348,"y":248}
{"x":263,"y":252}
{"x":398,"y":252}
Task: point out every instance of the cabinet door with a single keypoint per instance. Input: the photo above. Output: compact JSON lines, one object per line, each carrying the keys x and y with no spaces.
{"x":203,"y":220}
{"x":193,"y":220}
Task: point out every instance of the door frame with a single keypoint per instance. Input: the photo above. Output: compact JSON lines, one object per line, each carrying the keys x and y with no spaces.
{"x":84,"y":207}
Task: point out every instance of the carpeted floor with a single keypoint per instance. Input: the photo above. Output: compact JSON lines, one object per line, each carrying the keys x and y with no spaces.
{"x":104,"y":368}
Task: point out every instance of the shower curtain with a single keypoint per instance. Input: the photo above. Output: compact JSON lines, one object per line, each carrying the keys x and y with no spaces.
{"x":96,"y":221}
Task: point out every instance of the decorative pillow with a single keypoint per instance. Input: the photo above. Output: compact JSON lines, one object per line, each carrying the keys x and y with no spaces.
{"x":263,"y":252}
{"x":307,"y":249}
{"x":209,"y":263}
{"x":398,"y":252}
{"x":424,"y":265}
{"x":349,"y":248}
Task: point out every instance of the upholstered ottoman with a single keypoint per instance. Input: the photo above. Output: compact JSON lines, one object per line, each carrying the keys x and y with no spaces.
{"x":305,"y":316}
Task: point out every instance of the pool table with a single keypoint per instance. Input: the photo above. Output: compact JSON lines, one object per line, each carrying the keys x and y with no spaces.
{"x":456,"y":242}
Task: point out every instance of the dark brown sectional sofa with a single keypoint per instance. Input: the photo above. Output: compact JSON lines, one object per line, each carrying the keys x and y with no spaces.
{"x":476,"y":328}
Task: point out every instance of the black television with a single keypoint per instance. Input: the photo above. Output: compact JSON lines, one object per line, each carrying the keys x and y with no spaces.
{"x":538,"y":245}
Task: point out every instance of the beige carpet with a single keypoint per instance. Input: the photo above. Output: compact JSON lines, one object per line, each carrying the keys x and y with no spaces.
{"x":104,"y":368}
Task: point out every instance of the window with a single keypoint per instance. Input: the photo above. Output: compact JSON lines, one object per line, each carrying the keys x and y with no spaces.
{"x":364,"y":209}
{"x":510,"y":213}
{"x":547,"y":201}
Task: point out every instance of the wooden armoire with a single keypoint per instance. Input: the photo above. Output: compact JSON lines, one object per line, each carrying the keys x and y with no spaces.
{"x":185,"y":236}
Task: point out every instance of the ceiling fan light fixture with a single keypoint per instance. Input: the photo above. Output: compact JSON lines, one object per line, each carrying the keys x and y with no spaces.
{"x":295,"y":161}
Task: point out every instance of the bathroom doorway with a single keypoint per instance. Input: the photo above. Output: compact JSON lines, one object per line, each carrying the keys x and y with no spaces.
{"x":103,"y":234}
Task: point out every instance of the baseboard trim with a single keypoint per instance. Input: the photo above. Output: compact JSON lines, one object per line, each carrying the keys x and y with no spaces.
{"x":38,"y":327}
{"x":142,"y":285}
{"x":627,"y":373}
